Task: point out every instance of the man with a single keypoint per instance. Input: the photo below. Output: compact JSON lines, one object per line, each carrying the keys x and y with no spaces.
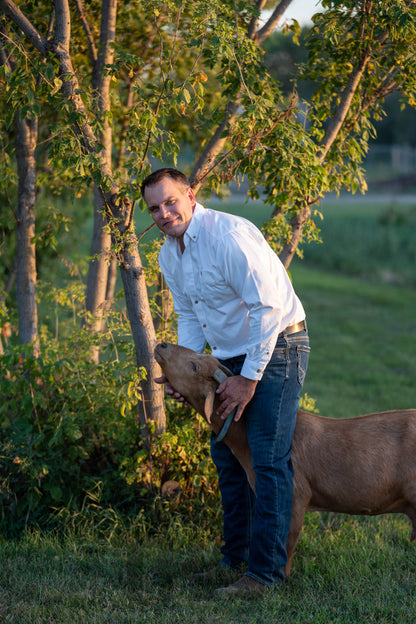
{"x":230,"y":290}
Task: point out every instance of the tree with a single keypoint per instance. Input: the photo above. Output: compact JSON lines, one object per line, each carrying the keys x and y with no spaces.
{"x":176,"y":73}
{"x":26,"y":128}
{"x":120,"y":211}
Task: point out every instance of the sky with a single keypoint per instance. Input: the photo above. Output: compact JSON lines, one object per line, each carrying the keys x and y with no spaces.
{"x":302,"y":10}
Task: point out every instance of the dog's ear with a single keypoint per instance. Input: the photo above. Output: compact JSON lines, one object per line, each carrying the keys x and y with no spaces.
{"x":209,"y":405}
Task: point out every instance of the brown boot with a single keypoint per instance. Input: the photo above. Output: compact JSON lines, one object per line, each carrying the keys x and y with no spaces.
{"x":244,"y":586}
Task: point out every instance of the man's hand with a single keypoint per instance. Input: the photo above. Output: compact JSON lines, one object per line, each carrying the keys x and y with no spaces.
{"x":234,"y":392}
{"x":170,"y":390}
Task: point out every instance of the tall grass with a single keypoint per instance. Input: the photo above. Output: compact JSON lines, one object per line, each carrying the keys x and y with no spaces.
{"x":372,"y":238}
{"x":363,"y":343}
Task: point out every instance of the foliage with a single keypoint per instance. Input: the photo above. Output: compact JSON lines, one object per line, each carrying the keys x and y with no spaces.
{"x":70,"y":441}
{"x":69,"y":433}
{"x":182,"y":454}
{"x":64,"y":425}
{"x":172,"y":85}
{"x":284,"y":57}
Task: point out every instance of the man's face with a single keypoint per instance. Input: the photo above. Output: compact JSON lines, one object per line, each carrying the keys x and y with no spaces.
{"x":171,"y":205}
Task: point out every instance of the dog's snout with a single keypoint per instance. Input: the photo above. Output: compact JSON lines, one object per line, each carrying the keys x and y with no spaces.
{"x":163,"y":345}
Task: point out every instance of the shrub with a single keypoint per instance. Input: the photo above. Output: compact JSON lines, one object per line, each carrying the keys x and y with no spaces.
{"x":70,"y":438}
{"x":64,"y":426}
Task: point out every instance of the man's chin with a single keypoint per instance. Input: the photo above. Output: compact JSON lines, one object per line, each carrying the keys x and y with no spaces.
{"x":173,"y":230}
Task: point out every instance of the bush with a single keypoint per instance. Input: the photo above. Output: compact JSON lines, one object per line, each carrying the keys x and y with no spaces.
{"x":64,"y":426}
{"x":70,"y":439}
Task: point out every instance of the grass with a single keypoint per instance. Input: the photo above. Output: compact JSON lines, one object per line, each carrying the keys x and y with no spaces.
{"x":346,"y":569}
{"x":373,"y":239}
{"x":341,"y":574}
{"x":363,"y":343}
{"x":358,"y":292}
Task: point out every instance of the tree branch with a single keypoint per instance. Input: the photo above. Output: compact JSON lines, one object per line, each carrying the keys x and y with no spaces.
{"x":9,"y":8}
{"x":62,"y":24}
{"x":335,"y":126}
{"x":252,"y":27}
{"x":214,"y":147}
{"x":79,"y":4}
{"x":272,"y":22}
{"x":100,"y":78}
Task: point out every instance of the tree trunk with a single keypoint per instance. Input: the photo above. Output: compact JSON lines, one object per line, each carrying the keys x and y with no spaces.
{"x":297,"y":223}
{"x":111,"y":282}
{"x":98,"y":271}
{"x":141,"y":322}
{"x":164,"y":303}
{"x":26,"y":139}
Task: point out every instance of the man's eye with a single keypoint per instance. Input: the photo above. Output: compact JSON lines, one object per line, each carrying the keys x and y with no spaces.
{"x":153,"y":209}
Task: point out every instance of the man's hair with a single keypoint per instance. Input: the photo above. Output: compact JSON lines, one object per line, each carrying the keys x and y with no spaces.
{"x":160,"y":174}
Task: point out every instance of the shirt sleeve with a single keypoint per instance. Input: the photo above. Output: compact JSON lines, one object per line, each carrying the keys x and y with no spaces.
{"x":258,"y":277}
{"x":190,"y":333}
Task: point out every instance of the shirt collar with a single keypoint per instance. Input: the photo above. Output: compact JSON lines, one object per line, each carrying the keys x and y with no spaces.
{"x":194,"y":227}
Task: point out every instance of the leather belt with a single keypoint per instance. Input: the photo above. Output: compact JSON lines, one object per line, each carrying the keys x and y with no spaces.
{"x":293,"y":329}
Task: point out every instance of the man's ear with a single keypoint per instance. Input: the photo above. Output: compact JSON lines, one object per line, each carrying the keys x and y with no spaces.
{"x":191,"y":195}
{"x":209,"y":406}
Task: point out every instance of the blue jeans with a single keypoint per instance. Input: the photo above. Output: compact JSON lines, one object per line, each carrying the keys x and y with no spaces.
{"x":256,"y":526}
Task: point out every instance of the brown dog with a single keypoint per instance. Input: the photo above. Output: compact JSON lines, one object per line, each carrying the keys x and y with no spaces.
{"x":363,"y":465}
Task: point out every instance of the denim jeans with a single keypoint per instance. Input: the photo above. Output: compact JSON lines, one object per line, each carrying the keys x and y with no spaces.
{"x":256,"y":526}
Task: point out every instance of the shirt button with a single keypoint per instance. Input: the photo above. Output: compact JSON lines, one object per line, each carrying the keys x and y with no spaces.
{"x":196,"y":300}
{"x":214,"y":348}
{"x":204,"y":325}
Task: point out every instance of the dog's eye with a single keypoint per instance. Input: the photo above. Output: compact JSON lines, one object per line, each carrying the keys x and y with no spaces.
{"x":194,"y":367}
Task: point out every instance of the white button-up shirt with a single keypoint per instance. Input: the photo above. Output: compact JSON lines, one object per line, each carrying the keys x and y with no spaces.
{"x":229,"y":289}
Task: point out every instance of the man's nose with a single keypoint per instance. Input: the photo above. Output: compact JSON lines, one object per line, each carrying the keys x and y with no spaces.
{"x":164,"y":211}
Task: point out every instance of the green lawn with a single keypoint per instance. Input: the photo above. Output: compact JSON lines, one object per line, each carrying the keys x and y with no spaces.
{"x":363,"y":343}
{"x":346,"y":570}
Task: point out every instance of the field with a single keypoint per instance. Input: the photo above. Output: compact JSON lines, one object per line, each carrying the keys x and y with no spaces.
{"x":358,"y":289}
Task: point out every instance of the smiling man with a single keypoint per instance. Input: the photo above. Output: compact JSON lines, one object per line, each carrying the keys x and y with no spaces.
{"x":231,"y":291}
{"x":171,"y":205}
